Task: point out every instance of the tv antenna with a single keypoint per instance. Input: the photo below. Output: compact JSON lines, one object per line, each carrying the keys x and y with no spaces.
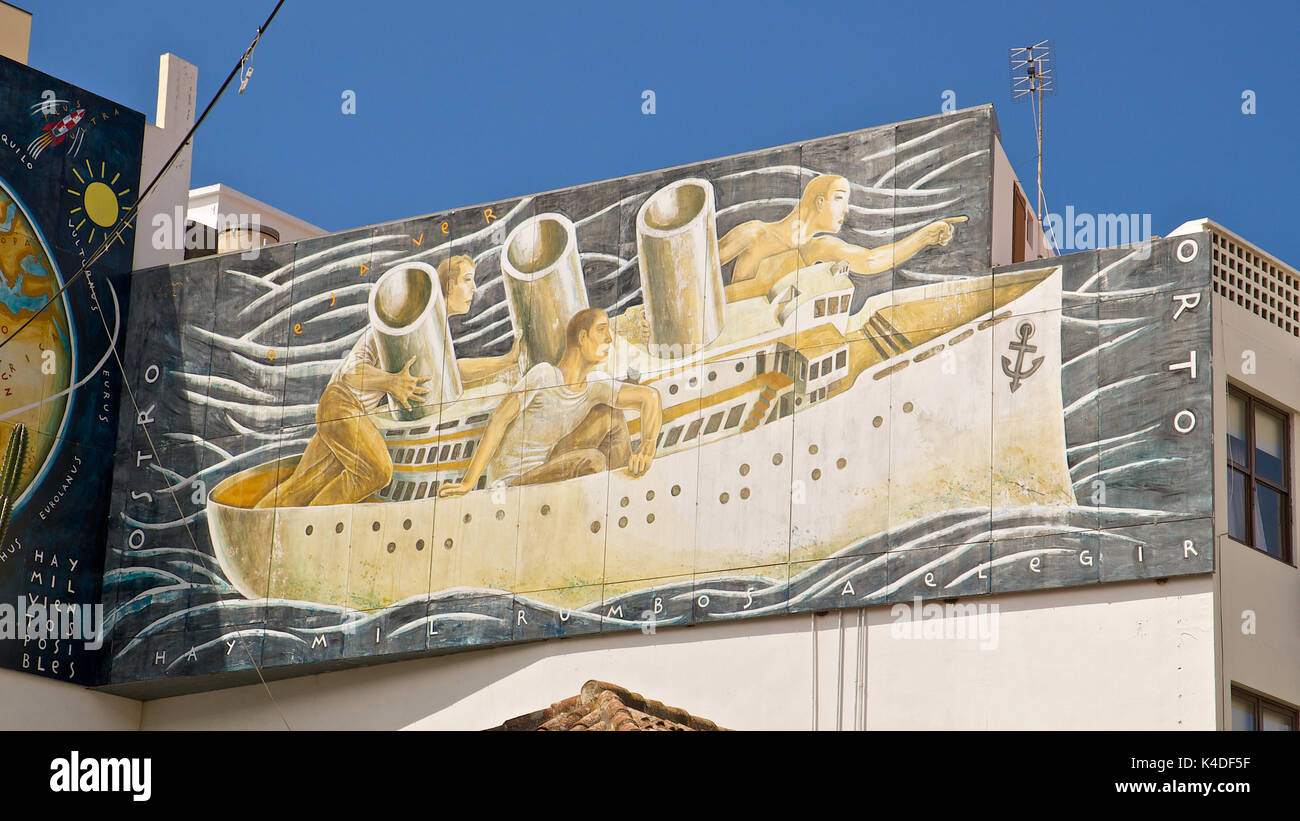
{"x":1033,"y":76}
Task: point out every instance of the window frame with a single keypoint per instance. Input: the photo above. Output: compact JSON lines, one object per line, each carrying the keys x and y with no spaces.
{"x":1286,"y":552}
{"x":1261,"y":702}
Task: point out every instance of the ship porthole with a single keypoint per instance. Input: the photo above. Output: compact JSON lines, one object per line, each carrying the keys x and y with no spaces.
{"x":812,"y":449}
{"x":724,"y":498}
{"x":406,"y":525}
{"x":798,"y":400}
{"x":447,"y":544}
{"x":877,"y":422}
{"x":744,"y":493}
{"x":546,"y":509}
{"x":841,"y":462}
{"x":338,"y":528}
{"x":672,"y":390}
{"x":465,"y":520}
{"x":310,"y":529}
{"x":650,"y":518}
{"x":501,"y":514}
{"x":392,"y":547}
{"x":649,"y":495}
{"x":622,"y":521}
{"x":419,"y":544}
{"x":744,"y":470}
{"x":677,"y":489}
{"x":623,"y":502}
{"x":693,"y":382}
{"x":374,"y":526}
{"x":816,"y":474}
{"x":907,"y":407}
{"x":595,"y":527}
{"x":776,"y":458}
{"x":713,"y":375}
{"x":740,"y":366}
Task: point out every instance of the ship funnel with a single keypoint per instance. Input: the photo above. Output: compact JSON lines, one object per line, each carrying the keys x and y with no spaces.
{"x":681,"y":280}
{"x":544,"y":284}
{"x":409,"y":318}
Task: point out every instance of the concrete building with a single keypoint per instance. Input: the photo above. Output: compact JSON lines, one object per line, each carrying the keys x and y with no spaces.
{"x":1197,"y":652}
{"x":1211,"y":651}
{"x":178,"y":84}
{"x":1138,"y":644}
{"x":1256,"y":303}
{"x":234,"y":221}
{"x":16,"y":33}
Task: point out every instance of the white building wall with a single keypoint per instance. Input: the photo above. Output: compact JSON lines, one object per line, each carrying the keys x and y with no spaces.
{"x":1260,"y":601}
{"x":177,"y":88}
{"x":1259,"y":611}
{"x":1125,"y":656}
{"x":15,"y":32}
{"x":1036,"y":242}
{"x":1002,"y":205}
{"x":32,"y":702}
{"x":213,"y":204}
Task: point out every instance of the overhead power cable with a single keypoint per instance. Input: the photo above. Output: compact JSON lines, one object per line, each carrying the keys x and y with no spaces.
{"x":116,"y":232}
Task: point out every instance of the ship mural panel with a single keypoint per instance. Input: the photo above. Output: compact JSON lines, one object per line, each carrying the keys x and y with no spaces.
{"x":781,"y":381}
{"x":69,"y":169}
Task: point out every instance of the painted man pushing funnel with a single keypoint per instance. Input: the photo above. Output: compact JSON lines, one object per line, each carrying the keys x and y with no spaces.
{"x":346,"y":460}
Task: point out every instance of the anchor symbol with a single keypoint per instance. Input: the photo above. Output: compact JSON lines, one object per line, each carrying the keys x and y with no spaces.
{"x":1018,"y":374}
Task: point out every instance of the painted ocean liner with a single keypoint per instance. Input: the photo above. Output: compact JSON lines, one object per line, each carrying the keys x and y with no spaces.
{"x":792,"y":427}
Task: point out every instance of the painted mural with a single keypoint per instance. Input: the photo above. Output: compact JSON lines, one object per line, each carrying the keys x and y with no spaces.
{"x":69,"y":168}
{"x":787,"y":380}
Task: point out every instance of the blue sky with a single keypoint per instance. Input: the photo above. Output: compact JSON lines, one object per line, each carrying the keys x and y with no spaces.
{"x":470,"y":102}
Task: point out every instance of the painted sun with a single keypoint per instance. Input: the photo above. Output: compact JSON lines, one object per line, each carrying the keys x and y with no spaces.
{"x":101,"y":201}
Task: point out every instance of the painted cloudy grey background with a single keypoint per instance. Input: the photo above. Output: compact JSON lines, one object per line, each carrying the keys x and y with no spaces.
{"x":219,"y":408}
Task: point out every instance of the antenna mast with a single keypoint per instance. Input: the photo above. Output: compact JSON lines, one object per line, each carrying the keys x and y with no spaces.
{"x":1033,"y":75}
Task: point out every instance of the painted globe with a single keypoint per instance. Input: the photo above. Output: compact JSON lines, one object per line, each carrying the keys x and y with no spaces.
{"x":36,"y":365}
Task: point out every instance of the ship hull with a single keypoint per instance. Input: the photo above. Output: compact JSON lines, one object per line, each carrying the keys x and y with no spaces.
{"x":931,"y":429}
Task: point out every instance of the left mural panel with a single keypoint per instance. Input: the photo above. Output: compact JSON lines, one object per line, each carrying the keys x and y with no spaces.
{"x":69,"y":170}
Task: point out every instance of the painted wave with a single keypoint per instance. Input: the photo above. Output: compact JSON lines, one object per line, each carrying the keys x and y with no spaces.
{"x":173,"y":595}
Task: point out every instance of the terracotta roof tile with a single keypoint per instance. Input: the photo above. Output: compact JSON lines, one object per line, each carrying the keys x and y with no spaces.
{"x":605,"y":706}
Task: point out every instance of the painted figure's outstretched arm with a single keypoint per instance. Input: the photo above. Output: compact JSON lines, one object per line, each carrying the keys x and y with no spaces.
{"x":874,"y":260}
{"x":645,"y":400}
{"x":487,"y":448}
{"x":480,"y":369}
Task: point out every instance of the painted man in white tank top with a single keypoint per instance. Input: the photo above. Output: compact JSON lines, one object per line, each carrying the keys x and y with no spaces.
{"x":565,"y":421}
